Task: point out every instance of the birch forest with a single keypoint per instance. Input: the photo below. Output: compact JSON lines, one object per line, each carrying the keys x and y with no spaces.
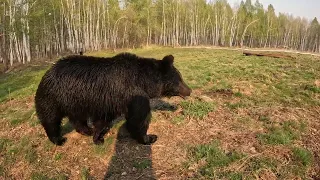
{"x":39,"y":29}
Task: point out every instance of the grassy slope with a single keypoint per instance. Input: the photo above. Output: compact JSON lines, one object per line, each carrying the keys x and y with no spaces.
{"x":248,"y":117}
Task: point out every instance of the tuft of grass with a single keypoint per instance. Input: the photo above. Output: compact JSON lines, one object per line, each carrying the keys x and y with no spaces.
{"x":104,"y":148}
{"x":31,"y":155}
{"x":234,"y":106}
{"x":312,"y":88}
{"x":258,"y":163}
{"x":178,"y":120}
{"x":4,"y":143}
{"x":2,"y":171}
{"x":214,"y":158}
{"x":39,"y":176}
{"x":48,"y":145}
{"x":197,"y":109}
{"x":264,"y":118}
{"x":232,"y":175}
{"x":284,"y":134}
{"x":238,"y":94}
{"x":277,"y":136}
{"x":20,"y":116}
{"x":142,"y":164}
{"x":303,"y":156}
{"x":85,"y":173}
{"x":58,"y":156}
{"x":43,"y":176}
{"x":21,"y":150}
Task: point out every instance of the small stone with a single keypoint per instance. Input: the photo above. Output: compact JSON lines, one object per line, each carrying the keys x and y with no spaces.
{"x":134,"y":169}
{"x":85,"y":159}
{"x":253,"y":150}
{"x":124,"y":173}
{"x":317,"y":82}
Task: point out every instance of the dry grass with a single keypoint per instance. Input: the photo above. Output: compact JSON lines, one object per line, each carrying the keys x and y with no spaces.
{"x":236,"y":100}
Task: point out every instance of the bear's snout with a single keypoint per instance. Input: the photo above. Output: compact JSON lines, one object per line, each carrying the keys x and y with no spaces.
{"x":184,"y":90}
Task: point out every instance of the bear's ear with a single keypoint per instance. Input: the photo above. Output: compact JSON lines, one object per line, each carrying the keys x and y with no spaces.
{"x":167,"y":61}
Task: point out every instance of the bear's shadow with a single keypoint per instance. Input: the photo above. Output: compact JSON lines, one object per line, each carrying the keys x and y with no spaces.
{"x":131,"y":159}
{"x":161,"y":105}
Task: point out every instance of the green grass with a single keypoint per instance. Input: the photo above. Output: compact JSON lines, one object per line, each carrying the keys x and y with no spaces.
{"x":39,"y":176}
{"x":264,"y":118}
{"x":104,"y":148}
{"x":240,"y":86}
{"x":259,"y":163}
{"x":58,"y":156}
{"x":283,"y":134}
{"x":178,"y":120}
{"x":234,"y":106}
{"x":303,"y":156}
{"x":43,"y":176}
{"x":4,"y":143}
{"x":17,"y":85}
{"x":85,"y":173}
{"x":214,"y":158}
{"x":197,"y":109}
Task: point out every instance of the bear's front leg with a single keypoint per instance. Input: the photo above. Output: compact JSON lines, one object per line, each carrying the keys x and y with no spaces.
{"x":101,"y":127}
{"x":138,"y":118}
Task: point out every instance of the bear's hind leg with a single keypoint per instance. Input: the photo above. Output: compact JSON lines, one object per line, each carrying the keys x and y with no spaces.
{"x":80,"y":124}
{"x":138,"y":118}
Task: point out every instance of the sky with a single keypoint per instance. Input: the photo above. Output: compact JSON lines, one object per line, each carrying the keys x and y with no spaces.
{"x":303,"y":8}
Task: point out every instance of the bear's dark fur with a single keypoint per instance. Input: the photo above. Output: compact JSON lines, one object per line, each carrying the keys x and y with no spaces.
{"x":83,"y":87}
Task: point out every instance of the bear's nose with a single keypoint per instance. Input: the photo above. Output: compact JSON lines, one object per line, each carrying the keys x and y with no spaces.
{"x":184,"y":90}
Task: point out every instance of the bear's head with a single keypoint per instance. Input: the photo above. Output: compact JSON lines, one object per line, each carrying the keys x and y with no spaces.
{"x":173,"y":84}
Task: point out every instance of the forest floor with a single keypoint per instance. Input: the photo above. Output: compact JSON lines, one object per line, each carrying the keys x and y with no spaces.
{"x":248,"y":118}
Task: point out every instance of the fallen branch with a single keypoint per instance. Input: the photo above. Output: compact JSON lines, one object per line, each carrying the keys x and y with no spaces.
{"x":274,"y":55}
